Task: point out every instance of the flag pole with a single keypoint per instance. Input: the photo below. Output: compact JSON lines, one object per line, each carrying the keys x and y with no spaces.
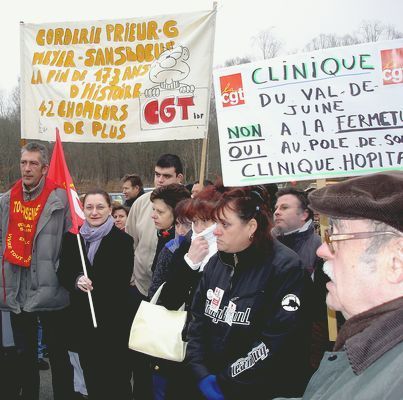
{"x":94,"y":320}
{"x":59,"y":173}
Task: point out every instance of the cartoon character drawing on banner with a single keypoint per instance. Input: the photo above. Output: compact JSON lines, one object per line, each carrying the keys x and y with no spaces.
{"x":168,"y":72}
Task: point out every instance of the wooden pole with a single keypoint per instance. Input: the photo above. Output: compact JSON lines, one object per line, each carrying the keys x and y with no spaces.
{"x":205,"y":139}
{"x":331,"y":314}
{"x":94,"y":320}
{"x":203,"y":161}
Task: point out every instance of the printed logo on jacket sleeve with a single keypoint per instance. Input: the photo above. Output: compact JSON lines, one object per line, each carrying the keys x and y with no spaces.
{"x":290,"y":302}
{"x":258,"y":353}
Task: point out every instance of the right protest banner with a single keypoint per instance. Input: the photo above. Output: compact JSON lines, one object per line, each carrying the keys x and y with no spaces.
{"x":330,"y":113}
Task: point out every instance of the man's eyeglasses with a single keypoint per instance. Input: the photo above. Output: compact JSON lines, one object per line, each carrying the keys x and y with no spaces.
{"x":337,"y":237}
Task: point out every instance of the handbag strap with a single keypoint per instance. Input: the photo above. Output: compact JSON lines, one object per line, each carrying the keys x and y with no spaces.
{"x":156,"y":296}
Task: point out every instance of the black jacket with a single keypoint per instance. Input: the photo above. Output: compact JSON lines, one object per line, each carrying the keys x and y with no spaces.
{"x":305,"y":245}
{"x":264,"y":353}
{"x":130,"y":202}
{"x":181,"y":281}
{"x":110,"y":275}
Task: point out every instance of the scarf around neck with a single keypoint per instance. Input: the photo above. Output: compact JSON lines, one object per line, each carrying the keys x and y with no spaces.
{"x":23,"y":220}
{"x":93,"y":236}
{"x":367,"y":336}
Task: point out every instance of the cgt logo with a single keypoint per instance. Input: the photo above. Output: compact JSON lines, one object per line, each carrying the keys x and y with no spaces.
{"x":392,"y":66}
{"x":232,"y":90}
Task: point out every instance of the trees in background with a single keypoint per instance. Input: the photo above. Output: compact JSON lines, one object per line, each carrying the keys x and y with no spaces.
{"x":368,"y":31}
{"x":97,"y":164}
{"x":267,"y":43}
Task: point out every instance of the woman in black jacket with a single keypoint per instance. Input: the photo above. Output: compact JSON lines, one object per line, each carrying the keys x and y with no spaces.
{"x":182,"y":271}
{"x":248,"y":336}
{"x":108,"y":254}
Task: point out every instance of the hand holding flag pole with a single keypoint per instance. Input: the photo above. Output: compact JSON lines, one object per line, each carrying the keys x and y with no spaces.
{"x":59,"y":173}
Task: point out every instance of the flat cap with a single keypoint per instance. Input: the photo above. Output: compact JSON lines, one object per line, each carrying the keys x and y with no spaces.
{"x":377,"y":196}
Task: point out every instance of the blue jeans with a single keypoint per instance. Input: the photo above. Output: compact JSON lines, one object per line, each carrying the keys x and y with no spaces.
{"x":159,"y":386}
{"x":41,"y":345}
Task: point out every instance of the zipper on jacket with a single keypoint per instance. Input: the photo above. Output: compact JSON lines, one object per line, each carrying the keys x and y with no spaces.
{"x":230,"y":277}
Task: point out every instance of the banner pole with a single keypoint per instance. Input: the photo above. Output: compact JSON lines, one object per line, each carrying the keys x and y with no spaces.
{"x":94,"y":320}
{"x":331,"y":314}
{"x":205,"y":139}
{"x":203,"y":161}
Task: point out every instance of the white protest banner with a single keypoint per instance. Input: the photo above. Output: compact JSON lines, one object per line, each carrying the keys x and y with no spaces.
{"x":129,"y":80}
{"x":330,"y":113}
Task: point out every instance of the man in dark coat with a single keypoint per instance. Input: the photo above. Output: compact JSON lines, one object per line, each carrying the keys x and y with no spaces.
{"x":132,"y":188}
{"x":293,"y":226}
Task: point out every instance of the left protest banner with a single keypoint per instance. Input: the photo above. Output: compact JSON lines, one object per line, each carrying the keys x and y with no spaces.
{"x":129,"y":80}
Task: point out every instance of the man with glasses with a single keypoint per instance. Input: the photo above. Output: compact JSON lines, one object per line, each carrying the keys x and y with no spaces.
{"x":363,"y":253}
{"x":140,"y":226}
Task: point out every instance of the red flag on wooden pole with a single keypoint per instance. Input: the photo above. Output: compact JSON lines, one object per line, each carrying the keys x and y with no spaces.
{"x":59,"y":173}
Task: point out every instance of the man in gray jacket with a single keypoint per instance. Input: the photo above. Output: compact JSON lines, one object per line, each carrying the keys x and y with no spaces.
{"x":34,"y":215}
{"x":363,"y":253}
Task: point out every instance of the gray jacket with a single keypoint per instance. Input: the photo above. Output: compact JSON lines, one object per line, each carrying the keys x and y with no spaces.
{"x":36,"y":288}
{"x":369,"y":363}
{"x":335,"y":379}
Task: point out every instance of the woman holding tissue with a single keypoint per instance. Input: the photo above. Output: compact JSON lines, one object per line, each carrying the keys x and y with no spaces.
{"x":171,"y":380}
{"x":189,"y":260}
{"x":248,"y":336}
{"x":108,"y":255}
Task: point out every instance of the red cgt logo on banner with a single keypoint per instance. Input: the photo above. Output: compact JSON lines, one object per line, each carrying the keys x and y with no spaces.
{"x":392,"y":66}
{"x":232,"y":90}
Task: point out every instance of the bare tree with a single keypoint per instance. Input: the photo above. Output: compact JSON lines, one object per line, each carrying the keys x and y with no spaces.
{"x":373,"y":31}
{"x":348,"y":40}
{"x":322,"y":41}
{"x":392,"y":33}
{"x":369,"y":31}
{"x":267,"y":43}
{"x":325,"y":41}
{"x":237,"y":61}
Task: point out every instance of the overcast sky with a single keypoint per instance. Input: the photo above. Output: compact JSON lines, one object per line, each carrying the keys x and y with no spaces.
{"x":294,"y":22}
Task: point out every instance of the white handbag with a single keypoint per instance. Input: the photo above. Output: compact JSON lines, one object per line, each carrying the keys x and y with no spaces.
{"x":157,"y":331}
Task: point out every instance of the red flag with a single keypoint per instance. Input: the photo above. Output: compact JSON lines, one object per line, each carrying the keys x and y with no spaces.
{"x":59,"y":173}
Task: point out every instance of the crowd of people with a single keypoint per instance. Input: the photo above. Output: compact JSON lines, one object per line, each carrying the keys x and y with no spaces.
{"x":254,"y":276}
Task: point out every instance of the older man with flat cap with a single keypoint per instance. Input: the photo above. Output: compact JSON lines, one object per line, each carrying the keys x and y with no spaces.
{"x":363,"y":253}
